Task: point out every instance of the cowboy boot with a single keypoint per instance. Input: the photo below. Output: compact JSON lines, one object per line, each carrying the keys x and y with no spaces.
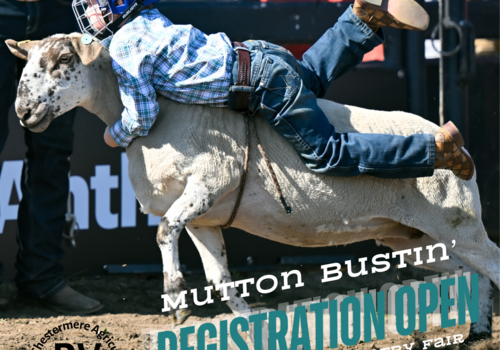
{"x":450,"y":152}
{"x":404,"y":14}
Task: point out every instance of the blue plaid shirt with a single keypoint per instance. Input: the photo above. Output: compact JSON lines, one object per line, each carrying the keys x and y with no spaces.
{"x":151,"y":55}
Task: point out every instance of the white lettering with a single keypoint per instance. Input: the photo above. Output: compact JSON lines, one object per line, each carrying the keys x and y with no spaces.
{"x":128,"y":201}
{"x":458,"y":338}
{"x":431,"y":248}
{"x":244,"y":283}
{"x":427,"y":343}
{"x":327,"y":273}
{"x":269,"y":290}
{"x":361,"y":272}
{"x":208,"y":299}
{"x":448,"y":339}
{"x":180,"y":302}
{"x":285,"y":279}
{"x":380,"y":263}
{"x":401,"y":254}
{"x":438,"y":342}
{"x":224,"y":287}
{"x":80,"y":190}
{"x":10,"y":175}
{"x":418,"y":261}
{"x":103,"y":183}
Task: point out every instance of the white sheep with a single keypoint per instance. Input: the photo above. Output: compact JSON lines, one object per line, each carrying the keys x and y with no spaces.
{"x":188,"y":170}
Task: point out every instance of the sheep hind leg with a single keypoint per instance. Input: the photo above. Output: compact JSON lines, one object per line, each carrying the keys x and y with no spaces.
{"x":479,"y":330}
{"x":210,"y":244}
{"x":484,"y":256}
{"x":472,"y":243}
{"x":195,"y":201}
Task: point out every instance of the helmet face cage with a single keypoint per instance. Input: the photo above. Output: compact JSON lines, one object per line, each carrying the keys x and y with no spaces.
{"x":94,"y":17}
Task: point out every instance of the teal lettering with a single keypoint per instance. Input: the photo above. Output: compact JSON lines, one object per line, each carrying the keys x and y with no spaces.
{"x":372,"y":315}
{"x":470,"y":299}
{"x":423,"y":308}
{"x":257,"y":319}
{"x":334,"y":341}
{"x":223,"y":335}
{"x":300,"y":321}
{"x":163,"y":336}
{"x":446,"y":302}
{"x":235,"y":335}
{"x":400,"y":310}
{"x":212,"y":333}
{"x":274,"y":335}
{"x":185,"y":332}
{"x":356,"y":320}
{"x":318,"y":310}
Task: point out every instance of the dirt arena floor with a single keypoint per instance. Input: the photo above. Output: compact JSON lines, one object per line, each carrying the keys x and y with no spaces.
{"x":133,"y":308}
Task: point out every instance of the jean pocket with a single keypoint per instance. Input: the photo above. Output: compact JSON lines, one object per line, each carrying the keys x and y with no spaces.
{"x":268,"y":113}
{"x":279,"y":78}
{"x":267,"y":45}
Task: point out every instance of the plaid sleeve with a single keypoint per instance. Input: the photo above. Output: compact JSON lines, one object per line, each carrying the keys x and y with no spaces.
{"x":134,"y":69}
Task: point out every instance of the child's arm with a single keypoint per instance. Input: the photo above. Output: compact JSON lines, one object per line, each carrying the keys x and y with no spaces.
{"x":109,"y":139}
{"x":134,"y":68}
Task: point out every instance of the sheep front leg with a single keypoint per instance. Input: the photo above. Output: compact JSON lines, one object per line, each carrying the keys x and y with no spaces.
{"x":194,"y":202}
{"x":173,"y":281}
{"x":210,"y":244}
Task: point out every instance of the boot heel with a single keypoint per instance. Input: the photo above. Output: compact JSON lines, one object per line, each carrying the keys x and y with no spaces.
{"x":455,"y":134}
{"x":404,"y":14}
{"x":373,"y":2}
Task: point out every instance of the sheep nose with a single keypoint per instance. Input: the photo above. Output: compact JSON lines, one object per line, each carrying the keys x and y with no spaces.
{"x":24,"y":114}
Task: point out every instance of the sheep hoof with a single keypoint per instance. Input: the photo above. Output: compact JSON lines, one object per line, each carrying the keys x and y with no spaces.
{"x":180,"y":316}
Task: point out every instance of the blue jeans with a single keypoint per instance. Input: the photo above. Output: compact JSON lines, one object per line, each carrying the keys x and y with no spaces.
{"x":285,"y":92}
{"x":45,"y":183}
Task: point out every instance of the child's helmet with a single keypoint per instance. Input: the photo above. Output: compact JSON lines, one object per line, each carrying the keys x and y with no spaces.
{"x":98,"y":18}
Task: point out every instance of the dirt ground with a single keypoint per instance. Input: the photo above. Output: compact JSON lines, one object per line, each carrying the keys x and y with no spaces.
{"x":133,"y":307}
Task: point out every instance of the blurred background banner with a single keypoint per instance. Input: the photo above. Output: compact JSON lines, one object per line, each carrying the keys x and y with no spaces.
{"x":403,"y":75}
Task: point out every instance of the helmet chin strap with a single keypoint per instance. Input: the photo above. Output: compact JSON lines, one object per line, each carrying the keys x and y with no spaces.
{"x":132,"y":11}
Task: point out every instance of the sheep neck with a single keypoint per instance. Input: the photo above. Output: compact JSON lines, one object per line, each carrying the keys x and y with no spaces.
{"x":105,"y":102}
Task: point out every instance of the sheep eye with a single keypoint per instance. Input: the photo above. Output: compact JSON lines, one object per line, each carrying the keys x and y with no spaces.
{"x":65,"y":58}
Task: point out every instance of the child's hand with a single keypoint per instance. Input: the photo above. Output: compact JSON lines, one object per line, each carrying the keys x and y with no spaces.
{"x":109,"y":139}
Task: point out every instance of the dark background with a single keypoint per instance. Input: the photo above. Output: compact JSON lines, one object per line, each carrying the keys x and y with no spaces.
{"x":374,"y":85}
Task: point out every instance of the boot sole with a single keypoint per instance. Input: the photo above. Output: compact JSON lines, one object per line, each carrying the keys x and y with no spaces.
{"x":73,"y":312}
{"x":459,"y":141}
{"x":30,"y":301}
{"x":406,"y":14}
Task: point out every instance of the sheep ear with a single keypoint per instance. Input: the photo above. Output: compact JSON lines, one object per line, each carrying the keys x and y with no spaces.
{"x":21,"y":48}
{"x":87,"y":52}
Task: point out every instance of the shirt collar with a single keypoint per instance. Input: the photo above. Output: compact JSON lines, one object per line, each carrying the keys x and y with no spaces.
{"x":106,"y":42}
{"x":148,"y":13}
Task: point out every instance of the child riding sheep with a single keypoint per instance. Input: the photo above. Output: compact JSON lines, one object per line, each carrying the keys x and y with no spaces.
{"x":153,"y":56}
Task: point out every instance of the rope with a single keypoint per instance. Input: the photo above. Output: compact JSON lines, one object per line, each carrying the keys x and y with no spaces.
{"x":271,"y":171}
{"x":245,"y":172}
{"x":243,"y":177}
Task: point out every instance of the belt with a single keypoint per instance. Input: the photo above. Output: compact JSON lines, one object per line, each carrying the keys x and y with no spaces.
{"x":241,"y":97}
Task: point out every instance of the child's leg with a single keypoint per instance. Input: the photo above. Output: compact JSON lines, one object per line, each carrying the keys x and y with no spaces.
{"x":357,"y":32}
{"x":338,"y":51}
{"x":292,"y":110}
